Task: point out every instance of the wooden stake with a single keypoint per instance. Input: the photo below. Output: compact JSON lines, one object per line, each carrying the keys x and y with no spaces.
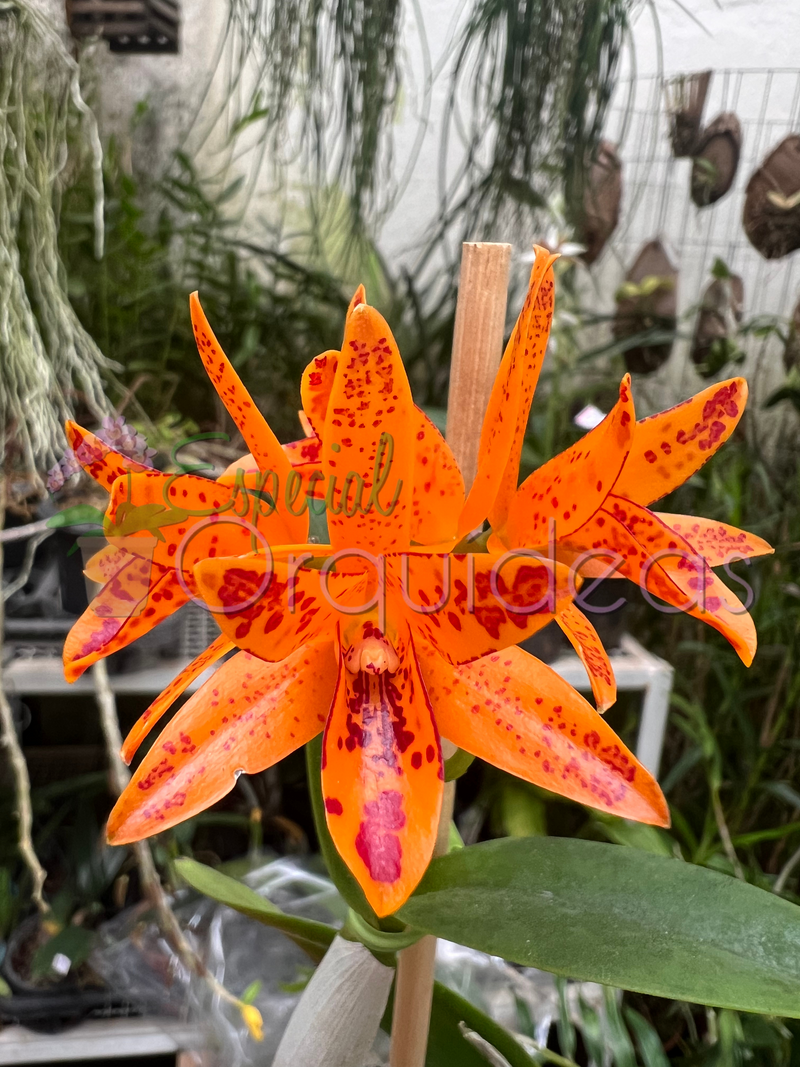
{"x":477,"y":347}
{"x":477,"y":351}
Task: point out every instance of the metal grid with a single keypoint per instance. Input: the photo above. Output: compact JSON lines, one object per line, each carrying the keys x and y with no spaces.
{"x":657,"y":202}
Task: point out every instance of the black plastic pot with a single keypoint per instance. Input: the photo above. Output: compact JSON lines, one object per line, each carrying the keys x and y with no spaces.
{"x":48,"y":1010}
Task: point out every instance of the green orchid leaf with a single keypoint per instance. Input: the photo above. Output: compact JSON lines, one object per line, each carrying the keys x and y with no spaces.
{"x":313,"y":937}
{"x":78,"y":515}
{"x":619,"y":916}
{"x":73,"y":943}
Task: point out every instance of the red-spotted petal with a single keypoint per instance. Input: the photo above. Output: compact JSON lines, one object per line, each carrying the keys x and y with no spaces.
{"x":194,"y":518}
{"x":367,"y":444}
{"x":567,"y":490}
{"x":716,"y":541}
{"x":315,"y":387}
{"x":661,"y":562}
{"x":164,"y":701}
{"x":101,"y":462}
{"x":506,"y":416}
{"x":139,"y":597}
{"x":438,"y":486}
{"x":671,"y":446}
{"x":255,"y":429}
{"x":514,"y":712}
{"x":272,"y":608}
{"x":467,"y":605}
{"x":383,"y":779}
{"x":247,"y":717}
{"x":585,"y":640}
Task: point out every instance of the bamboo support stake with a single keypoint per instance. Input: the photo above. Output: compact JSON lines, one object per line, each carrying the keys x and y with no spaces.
{"x":477,"y":351}
{"x":477,"y":347}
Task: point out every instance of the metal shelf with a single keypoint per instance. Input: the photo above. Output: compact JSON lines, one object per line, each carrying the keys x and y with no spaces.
{"x":44,"y":676}
{"x":634,"y":667}
{"x":100,"y":1039}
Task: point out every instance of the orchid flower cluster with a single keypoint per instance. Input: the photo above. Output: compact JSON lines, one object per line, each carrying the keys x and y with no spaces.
{"x":404,"y":628}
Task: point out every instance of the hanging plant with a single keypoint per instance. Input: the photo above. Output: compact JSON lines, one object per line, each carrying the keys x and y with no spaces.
{"x":686,"y":98}
{"x":721,"y":310}
{"x":791,"y":350}
{"x":601,"y":201}
{"x":717,"y":160}
{"x":772,"y":203}
{"x":48,"y":363}
{"x":647,"y":310}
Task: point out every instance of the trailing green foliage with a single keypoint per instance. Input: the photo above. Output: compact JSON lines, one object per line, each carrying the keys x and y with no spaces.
{"x":539,"y":75}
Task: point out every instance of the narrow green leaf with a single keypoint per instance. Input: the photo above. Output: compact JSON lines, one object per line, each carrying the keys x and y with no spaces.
{"x":618,"y":916}
{"x":313,"y":937}
{"x":650,"y":1047}
{"x":618,"y":1040}
{"x":78,"y":515}
{"x":74,"y":942}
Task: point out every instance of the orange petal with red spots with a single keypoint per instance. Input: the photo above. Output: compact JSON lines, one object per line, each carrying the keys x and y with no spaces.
{"x":247,"y":717}
{"x":585,"y":640}
{"x":308,"y":450}
{"x":470,"y":604}
{"x":663,"y":564}
{"x":164,"y":701}
{"x":567,"y":490}
{"x":367,"y":444}
{"x":717,"y":542}
{"x":514,"y":712}
{"x":194,"y":518}
{"x":307,"y":485}
{"x":137,"y":599}
{"x":671,"y":446}
{"x":438,"y":486}
{"x":506,"y":416}
{"x":315,"y":387}
{"x":101,"y":462}
{"x":255,"y":429}
{"x":383,"y":778}
{"x":272,"y":608}
{"x":110,"y":559}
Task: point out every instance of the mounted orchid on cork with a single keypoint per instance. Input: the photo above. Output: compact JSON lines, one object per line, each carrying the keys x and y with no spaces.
{"x":398,"y":641}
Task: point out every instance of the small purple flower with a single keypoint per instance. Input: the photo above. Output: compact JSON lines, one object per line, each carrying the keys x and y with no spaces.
{"x":66,"y":467}
{"x":119,"y":434}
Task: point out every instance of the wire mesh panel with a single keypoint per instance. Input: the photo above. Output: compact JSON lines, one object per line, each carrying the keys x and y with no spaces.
{"x":657,"y":202}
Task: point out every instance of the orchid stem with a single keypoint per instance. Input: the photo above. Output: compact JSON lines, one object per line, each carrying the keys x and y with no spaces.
{"x":477,"y":351}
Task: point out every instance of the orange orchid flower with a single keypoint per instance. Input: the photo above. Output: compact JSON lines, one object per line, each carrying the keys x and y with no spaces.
{"x":159,"y":525}
{"x":588,"y":507}
{"x":388,"y":636}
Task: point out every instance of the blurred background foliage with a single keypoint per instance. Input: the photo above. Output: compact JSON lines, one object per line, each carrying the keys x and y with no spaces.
{"x":276,"y":292}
